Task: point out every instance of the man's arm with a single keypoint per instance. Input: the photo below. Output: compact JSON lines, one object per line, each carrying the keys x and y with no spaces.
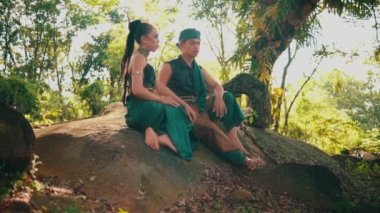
{"x":219,"y":107}
{"x":218,"y":89}
{"x":161,"y":86}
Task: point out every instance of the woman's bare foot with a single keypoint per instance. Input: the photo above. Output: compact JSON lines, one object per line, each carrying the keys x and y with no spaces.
{"x":151,"y":139}
{"x":254,"y":163}
{"x":165,"y":141}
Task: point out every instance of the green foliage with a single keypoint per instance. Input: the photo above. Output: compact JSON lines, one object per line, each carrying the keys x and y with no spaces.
{"x":8,"y":180}
{"x":18,"y":93}
{"x":76,"y":108}
{"x":93,"y":94}
{"x":321,"y":118}
{"x":51,"y":110}
{"x":363,"y":168}
{"x":69,"y":209}
{"x":95,"y":55}
{"x":344,"y":205}
{"x":218,"y":205}
{"x":83,"y":21}
{"x":40,"y":104}
{"x":115,"y":16}
{"x":114,"y":52}
{"x":261,"y":32}
{"x":371,"y":142}
{"x":367,"y":173}
{"x":266,"y":27}
{"x":39,"y":48}
{"x":324,"y":127}
{"x":220,"y":16}
{"x":360,"y":99}
{"x":358,"y":8}
{"x":317,"y":121}
{"x":102,"y":5}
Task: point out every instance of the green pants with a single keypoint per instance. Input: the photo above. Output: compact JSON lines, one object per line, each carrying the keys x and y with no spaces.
{"x":235,"y":157}
{"x":164,"y":119}
{"x":231,"y":119}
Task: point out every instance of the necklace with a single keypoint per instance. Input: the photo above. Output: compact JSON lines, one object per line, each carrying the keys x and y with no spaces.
{"x":143,"y":52}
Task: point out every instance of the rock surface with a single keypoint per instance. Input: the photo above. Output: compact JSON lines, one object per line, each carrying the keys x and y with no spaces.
{"x":103,"y":161}
{"x":16,"y":140}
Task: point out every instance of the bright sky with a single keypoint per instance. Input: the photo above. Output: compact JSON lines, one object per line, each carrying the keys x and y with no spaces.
{"x":335,"y":32}
{"x":338,"y":33}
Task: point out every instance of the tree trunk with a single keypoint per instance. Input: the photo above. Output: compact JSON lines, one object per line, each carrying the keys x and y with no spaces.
{"x":258,"y":97}
{"x":278,"y":41}
{"x":283,"y":82}
{"x":269,"y":45}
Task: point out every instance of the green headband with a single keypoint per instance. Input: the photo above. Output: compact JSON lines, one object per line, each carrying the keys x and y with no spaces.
{"x":189,"y":33}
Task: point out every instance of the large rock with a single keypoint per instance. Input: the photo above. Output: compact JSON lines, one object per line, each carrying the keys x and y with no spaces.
{"x":16,"y":139}
{"x":105,"y":160}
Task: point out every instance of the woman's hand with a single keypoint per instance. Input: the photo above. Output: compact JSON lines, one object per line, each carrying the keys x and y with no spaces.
{"x":219,"y":106}
{"x":169,"y":101}
{"x":190,"y":112}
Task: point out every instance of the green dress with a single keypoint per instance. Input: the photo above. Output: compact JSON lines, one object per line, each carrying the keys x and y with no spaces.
{"x":189,"y":81}
{"x":164,"y":119}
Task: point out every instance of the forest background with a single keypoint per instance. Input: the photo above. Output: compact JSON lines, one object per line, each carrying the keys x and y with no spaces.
{"x":60,"y":61}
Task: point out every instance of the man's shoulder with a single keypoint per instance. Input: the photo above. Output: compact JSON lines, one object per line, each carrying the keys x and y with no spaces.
{"x":175,"y":60}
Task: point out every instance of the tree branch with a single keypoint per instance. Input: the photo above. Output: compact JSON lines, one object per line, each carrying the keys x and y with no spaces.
{"x":299,"y":91}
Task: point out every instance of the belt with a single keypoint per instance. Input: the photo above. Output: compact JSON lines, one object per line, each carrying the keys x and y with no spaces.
{"x":189,"y":99}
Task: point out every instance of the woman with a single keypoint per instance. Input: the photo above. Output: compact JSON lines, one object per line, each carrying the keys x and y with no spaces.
{"x":149,"y":106}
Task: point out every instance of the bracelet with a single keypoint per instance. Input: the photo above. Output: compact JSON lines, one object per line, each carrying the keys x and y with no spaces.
{"x":137,"y":73}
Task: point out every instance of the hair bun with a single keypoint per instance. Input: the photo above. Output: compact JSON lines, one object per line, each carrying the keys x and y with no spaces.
{"x":134,"y":25}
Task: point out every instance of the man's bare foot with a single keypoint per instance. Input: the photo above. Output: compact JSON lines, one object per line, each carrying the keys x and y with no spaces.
{"x":165,"y":141}
{"x":244,"y":150}
{"x":151,"y":139}
{"x":233,"y":136}
{"x":254,"y":163}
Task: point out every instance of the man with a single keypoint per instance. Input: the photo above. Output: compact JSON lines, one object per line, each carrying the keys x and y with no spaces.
{"x":187,"y":80}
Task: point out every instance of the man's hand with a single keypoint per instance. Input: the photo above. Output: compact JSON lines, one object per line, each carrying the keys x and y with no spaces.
{"x":219,"y":107}
{"x":190,"y":112}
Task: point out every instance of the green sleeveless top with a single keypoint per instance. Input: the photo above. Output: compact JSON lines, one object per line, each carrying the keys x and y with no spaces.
{"x":188,"y":81}
{"x":149,"y":80}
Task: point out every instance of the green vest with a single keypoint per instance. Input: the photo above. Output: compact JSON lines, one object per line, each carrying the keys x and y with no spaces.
{"x":181,"y":81}
{"x":188,"y":81}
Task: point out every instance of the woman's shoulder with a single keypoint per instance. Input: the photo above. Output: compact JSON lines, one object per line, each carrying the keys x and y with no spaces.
{"x":138,"y":61}
{"x":139,"y":58}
